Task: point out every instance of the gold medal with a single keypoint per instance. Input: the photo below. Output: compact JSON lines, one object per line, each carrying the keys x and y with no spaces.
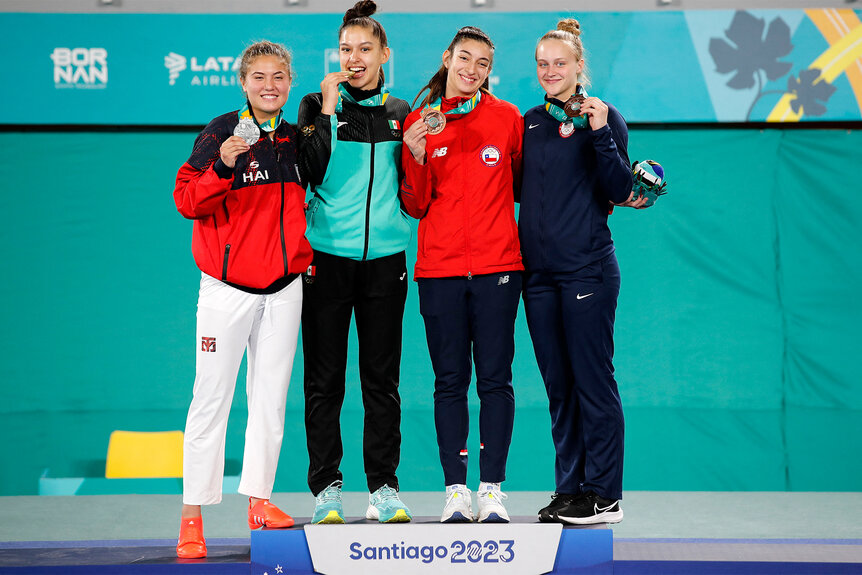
{"x":434,"y":119}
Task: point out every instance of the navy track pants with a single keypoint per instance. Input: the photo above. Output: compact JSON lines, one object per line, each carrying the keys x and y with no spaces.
{"x":472,"y":320}
{"x":571,"y":321}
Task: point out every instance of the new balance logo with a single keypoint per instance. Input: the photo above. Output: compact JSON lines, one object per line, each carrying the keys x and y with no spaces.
{"x":502,"y":280}
{"x":439,"y":152}
{"x":208,"y":344}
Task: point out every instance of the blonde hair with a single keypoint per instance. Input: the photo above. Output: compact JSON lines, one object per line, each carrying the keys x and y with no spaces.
{"x":568,"y":32}
{"x":264,"y":48}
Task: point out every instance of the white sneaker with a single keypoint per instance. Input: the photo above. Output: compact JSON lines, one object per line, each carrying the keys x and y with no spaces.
{"x":458,"y":508}
{"x":490,"y":500}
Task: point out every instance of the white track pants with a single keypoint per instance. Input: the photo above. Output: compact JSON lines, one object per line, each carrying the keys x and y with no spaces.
{"x":229,"y":321}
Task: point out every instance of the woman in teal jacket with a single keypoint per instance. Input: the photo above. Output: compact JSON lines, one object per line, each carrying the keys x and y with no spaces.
{"x":350,"y":152}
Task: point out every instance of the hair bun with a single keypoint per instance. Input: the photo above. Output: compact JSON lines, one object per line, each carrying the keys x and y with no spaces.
{"x":361,"y":9}
{"x":570,"y":25}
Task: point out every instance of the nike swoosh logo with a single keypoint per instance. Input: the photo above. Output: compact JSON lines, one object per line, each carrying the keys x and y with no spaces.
{"x":603,"y":509}
{"x":341,"y":124}
{"x":585,"y":295}
{"x":533,"y":126}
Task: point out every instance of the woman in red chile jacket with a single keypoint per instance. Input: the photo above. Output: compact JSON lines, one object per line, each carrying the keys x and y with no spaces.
{"x":241,"y":187}
{"x":573,"y":168}
{"x":459,"y":184}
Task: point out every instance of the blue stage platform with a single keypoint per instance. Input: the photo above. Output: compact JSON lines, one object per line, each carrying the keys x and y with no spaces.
{"x":580,"y":551}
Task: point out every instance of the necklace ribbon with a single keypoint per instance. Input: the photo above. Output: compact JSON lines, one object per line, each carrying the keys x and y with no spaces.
{"x":466,"y":106}
{"x":267,"y":126}
{"x":375,"y":100}
{"x":558,"y":113}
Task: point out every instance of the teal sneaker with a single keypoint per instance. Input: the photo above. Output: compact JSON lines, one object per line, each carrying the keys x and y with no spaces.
{"x":327,"y":508}
{"x":385,"y":506}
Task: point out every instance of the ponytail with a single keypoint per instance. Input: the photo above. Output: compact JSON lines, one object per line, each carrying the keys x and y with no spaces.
{"x":436,"y":86}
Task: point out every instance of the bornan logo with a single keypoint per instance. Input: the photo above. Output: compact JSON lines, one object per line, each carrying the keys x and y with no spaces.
{"x":80,"y":67}
{"x":207,"y":71}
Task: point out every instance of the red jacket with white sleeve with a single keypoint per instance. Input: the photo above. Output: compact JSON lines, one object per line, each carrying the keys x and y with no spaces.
{"x":249,"y":228}
{"x":463,"y":195}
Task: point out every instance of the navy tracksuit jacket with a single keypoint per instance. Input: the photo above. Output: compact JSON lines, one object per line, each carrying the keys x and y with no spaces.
{"x":570,"y":290}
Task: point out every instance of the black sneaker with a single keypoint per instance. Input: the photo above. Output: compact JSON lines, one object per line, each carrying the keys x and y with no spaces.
{"x":558,"y":501}
{"x":591,"y":508}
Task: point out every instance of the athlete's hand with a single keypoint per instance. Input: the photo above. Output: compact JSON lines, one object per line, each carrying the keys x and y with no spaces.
{"x":329,"y":89}
{"x":231,"y":148}
{"x":596,"y":111}
{"x":637,"y":204}
{"x":414,"y":139}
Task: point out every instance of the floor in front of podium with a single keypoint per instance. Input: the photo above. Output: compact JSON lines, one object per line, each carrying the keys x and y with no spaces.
{"x":678,"y":526}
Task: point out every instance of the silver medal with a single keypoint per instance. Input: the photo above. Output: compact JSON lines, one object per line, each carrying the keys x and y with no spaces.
{"x":248,"y":131}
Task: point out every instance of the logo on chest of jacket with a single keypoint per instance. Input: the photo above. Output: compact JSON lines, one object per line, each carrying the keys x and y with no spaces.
{"x":208,"y":344}
{"x":439,"y":152}
{"x":490,"y":155}
{"x":253,"y":174}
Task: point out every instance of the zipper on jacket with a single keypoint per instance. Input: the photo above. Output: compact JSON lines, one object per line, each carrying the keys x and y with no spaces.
{"x":224,"y":265}
{"x":368,"y":197}
{"x":281,"y":211}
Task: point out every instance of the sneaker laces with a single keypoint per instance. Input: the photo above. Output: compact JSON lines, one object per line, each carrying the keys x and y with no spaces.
{"x":497,"y":495}
{"x":461,"y":491}
{"x":386,"y":493}
{"x":331,"y":494}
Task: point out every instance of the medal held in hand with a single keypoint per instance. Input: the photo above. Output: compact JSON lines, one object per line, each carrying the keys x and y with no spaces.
{"x":572,"y":107}
{"x":434,"y":119}
{"x":248,"y":131}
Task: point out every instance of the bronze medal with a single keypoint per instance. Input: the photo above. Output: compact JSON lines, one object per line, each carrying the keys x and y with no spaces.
{"x":434,"y":119}
{"x":572,"y":107}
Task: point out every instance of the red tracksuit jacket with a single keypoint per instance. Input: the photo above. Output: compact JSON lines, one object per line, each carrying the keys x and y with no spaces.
{"x":249,"y":226}
{"x":464,"y":194}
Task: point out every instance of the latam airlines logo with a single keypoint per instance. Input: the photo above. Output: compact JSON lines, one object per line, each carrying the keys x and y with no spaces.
{"x":80,"y":68}
{"x":208,"y":71}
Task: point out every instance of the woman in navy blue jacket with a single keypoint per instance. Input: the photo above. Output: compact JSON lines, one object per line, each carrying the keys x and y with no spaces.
{"x":574,"y":169}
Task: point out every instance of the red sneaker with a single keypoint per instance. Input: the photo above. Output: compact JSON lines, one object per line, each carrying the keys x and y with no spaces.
{"x":191,"y":544}
{"x":265,"y":514}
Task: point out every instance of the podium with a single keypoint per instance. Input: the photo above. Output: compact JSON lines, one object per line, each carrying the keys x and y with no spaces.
{"x":522,"y":547}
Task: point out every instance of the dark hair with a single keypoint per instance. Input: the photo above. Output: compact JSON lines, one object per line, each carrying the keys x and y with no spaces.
{"x":360,"y":15}
{"x":436,"y":86}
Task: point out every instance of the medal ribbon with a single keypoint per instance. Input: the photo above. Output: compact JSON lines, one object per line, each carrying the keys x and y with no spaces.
{"x":560,"y":114}
{"x":465,"y":108}
{"x":268,"y":126}
{"x":375,"y":100}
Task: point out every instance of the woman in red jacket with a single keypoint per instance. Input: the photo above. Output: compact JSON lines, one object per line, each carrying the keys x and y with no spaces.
{"x":461,"y":157}
{"x":241,"y":187}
